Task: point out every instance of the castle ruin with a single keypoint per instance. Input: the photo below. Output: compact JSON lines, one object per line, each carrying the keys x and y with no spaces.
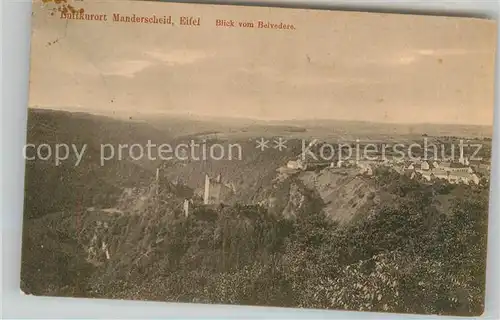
{"x":215,"y":190}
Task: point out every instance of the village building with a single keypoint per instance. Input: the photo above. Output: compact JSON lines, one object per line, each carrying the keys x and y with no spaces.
{"x":187,"y":206}
{"x":450,"y":176}
{"x":365,"y":167}
{"x":485,"y":166}
{"x":296,"y":165}
{"x":444,"y":165}
{"x":464,"y":161}
{"x":481,"y":168}
{"x":463,"y":177}
{"x":458,"y":167}
{"x":435,"y":174}
{"x":424,"y":165}
{"x":315,"y":164}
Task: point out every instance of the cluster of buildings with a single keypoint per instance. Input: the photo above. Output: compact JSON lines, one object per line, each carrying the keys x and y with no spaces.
{"x":452,"y":172}
{"x":462,"y":171}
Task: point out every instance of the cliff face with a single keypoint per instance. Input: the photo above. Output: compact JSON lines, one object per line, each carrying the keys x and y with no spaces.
{"x":343,"y":195}
{"x":346,"y":194}
{"x":295,"y":201}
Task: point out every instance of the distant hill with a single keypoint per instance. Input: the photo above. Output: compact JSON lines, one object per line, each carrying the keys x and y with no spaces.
{"x":178,"y":125}
{"x":50,"y":188}
{"x":364,"y":127}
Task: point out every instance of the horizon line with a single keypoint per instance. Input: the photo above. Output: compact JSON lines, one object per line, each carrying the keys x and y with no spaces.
{"x":203,"y":117}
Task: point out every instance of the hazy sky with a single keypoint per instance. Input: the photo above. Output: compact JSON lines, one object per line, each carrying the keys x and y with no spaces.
{"x":337,"y":65}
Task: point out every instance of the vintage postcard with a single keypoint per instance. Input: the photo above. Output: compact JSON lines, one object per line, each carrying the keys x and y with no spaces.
{"x":258,"y":156}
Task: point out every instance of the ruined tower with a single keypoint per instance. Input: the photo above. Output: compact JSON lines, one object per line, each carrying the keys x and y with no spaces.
{"x":212,"y":193}
{"x":186,"y":206}
{"x":157,"y":181}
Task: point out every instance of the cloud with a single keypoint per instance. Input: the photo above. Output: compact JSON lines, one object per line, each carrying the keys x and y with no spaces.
{"x":178,"y":57}
{"x":126,"y":68}
{"x":303,"y":77}
{"x":315,"y":81}
{"x":409,"y":57}
{"x":396,"y":59}
{"x":442,"y":52}
{"x":130,"y":67}
{"x":404,"y":60}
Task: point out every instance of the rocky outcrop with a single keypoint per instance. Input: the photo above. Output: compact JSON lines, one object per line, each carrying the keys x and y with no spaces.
{"x":345,"y":194}
{"x":342,"y":195}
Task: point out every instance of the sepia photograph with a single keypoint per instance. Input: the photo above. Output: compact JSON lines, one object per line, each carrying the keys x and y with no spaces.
{"x":244,"y":155}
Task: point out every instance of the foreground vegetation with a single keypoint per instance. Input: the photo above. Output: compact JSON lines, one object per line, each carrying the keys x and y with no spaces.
{"x":409,"y":255}
{"x":406,"y":256}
